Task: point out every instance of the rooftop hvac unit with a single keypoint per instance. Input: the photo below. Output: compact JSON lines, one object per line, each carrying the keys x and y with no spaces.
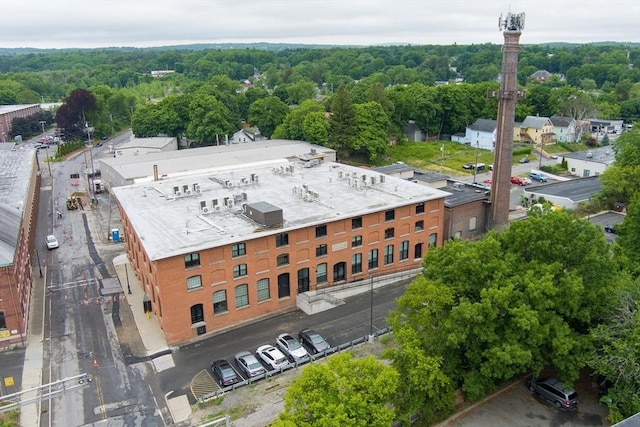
{"x":205,"y":210}
{"x":230,"y":203}
{"x":176,"y":190}
{"x":340,"y":174}
{"x":218,"y":208}
{"x":373,"y":180}
{"x":382,"y":178}
{"x":196,"y":188}
{"x":356,"y":183}
{"x":229,"y":184}
{"x":178,"y":193}
{"x":187,"y":192}
{"x":244,"y":181}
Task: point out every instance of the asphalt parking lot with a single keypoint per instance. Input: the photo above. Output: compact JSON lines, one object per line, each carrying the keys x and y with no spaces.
{"x":516,"y":406}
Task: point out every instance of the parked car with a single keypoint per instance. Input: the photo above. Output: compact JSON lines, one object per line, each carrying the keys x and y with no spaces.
{"x":51,"y":241}
{"x":524,"y":160}
{"x":292,"y":348}
{"x":313,"y":341}
{"x":249,"y":365}
{"x":520,"y":181}
{"x":554,"y":391}
{"x":224,"y":373}
{"x":272,"y":357}
{"x":609,"y":228}
{"x":467,"y":166}
{"x":491,"y":167}
{"x":538,"y":176}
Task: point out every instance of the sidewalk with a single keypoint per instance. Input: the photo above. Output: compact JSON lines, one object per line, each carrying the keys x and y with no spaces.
{"x":155,"y":345}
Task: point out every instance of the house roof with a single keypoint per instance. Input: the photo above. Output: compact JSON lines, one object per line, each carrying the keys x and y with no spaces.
{"x":535,"y":122}
{"x":576,"y":190}
{"x":604,"y":155}
{"x":484,"y":125}
{"x":541,"y":74}
{"x":561,"y":121}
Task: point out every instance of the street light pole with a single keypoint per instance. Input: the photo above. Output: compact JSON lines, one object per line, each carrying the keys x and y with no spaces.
{"x":371,"y":311}
{"x":475,"y":168}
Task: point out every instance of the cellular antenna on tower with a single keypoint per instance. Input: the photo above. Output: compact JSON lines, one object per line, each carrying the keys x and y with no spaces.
{"x":508,"y":95}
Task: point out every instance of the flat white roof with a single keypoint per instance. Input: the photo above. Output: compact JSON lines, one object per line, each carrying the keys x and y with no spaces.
{"x":171,"y":162}
{"x":156,"y":142}
{"x":16,"y":166}
{"x":169,"y":224}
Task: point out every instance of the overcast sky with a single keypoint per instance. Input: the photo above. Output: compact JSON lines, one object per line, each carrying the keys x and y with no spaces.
{"x":145,"y":23}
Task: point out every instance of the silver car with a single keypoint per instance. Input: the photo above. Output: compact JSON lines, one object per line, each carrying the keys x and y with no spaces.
{"x":249,"y":365}
{"x":51,"y":241}
{"x":292,"y":348}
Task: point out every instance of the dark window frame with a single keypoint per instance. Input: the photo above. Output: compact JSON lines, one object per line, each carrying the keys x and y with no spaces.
{"x":192,"y":260}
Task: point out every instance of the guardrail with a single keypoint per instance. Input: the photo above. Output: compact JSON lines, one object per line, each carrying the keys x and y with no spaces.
{"x":313,"y":357}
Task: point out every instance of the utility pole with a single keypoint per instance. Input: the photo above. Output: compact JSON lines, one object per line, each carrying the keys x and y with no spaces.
{"x":507,"y":98}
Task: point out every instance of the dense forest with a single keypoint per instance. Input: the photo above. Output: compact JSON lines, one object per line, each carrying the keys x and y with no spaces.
{"x":442,"y":88}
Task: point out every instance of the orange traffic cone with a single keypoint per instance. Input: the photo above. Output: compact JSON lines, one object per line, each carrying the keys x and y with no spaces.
{"x":95,"y":363}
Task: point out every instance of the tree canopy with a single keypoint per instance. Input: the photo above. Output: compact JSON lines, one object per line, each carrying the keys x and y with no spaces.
{"x":344,"y":392}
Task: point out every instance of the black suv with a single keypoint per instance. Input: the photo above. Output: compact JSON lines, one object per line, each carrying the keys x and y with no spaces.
{"x":554,"y":391}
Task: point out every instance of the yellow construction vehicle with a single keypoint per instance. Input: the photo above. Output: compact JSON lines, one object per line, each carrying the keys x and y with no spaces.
{"x":72,"y":203}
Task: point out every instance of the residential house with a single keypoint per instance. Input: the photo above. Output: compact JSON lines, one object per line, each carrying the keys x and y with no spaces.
{"x":537,"y":130}
{"x":414,"y":133}
{"x":541,"y":76}
{"x":481,"y":134}
{"x":565,"y":129}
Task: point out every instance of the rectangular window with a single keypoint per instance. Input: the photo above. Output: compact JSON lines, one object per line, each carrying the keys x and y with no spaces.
{"x":263,"y":290}
{"x":356,"y":241}
{"x":404,"y":250}
{"x":192,"y":260}
{"x":389,"y":233}
{"x":356,"y":263}
{"x":239,"y":270}
{"x":390,"y":215}
{"x":282,"y":239}
{"x":283,"y":259}
{"x":194,"y":282}
{"x":388,"y":254}
{"x":419,"y":226}
{"x":356,"y":223}
{"x":3,"y":322}
{"x":239,"y":249}
{"x":321,"y":250}
{"x":321,"y":273}
{"x":433,"y":238}
{"x":420,"y":208}
{"x":242,"y":295}
{"x":321,"y":231}
{"x":472,"y":223}
{"x":220,"y":302}
{"x":373,"y":259}
{"x":283,"y":285}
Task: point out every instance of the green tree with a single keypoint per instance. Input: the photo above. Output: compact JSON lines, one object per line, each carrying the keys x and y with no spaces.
{"x":208,"y":120}
{"x":315,"y":128}
{"x":515,"y":302}
{"x":293,"y":123}
{"x":617,"y":356}
{"x":343,"y":392}
{"x":372,"y":136}
{"x":342,"y":129}
{"x":267,"y":113}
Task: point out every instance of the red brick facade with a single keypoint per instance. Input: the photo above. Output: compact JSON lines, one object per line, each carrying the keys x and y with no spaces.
{"x":263,"y":275}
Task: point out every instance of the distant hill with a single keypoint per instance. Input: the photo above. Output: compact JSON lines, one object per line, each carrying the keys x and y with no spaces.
{"x":275,"y":47}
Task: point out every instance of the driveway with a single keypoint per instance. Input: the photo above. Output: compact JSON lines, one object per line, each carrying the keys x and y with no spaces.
{"x":515,"y":406}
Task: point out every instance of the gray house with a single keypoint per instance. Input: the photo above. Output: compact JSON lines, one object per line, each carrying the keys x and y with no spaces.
{"x":565,"y":129}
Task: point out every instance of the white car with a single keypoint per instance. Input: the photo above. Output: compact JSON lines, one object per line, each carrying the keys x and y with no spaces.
{"x":272,"y":357}
{"x":51,"y":241}
{"x":292,"y":348}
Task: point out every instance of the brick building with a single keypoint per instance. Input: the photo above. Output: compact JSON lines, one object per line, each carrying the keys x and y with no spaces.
{"x":10,"y":112}
{"x":234,"y":244}
{"x":19,"y":197}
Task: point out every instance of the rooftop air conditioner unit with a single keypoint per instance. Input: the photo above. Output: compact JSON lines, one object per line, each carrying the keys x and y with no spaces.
{"x":188,"y":192}
{"x":218,"y":208}
{"x":229,"y":184}
{"x":178,"y":193}
{"x":196,"y":188}
{"x":205,"y":210}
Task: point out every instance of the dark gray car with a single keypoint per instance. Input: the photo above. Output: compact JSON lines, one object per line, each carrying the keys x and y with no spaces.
{"x":554,"y":391}
{"x":313,"y":341}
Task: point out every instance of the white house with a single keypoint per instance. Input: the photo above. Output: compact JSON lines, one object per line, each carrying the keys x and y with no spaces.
{"x":481,"y":134}
{"x":564,"y":128}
